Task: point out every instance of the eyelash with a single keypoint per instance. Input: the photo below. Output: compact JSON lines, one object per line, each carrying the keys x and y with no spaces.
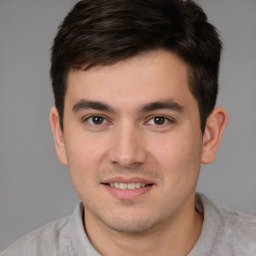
{"x":166,"y":121}
{"x":86,"y":119}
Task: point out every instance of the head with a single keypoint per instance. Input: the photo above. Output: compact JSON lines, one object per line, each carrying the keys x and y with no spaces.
{"x":104,"y":32}
{"x":135,"y":84}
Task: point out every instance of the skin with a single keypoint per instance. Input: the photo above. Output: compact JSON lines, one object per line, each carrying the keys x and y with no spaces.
{"x":114,"y":130}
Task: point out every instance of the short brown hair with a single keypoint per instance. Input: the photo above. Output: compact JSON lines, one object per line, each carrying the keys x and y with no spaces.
{"x":103,"y":32}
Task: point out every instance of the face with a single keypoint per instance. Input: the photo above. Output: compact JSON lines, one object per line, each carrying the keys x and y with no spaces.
{"x":132,"y":141}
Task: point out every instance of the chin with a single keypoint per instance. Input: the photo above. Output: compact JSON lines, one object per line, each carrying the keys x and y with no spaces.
{"x":130,"y":224}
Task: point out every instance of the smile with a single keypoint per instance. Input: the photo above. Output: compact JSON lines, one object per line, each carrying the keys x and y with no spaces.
{"x":124,"y":188}
{"x":128,"y":185}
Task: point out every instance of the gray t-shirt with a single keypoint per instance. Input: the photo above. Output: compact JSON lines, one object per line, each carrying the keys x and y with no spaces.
{"x":225,"y":233}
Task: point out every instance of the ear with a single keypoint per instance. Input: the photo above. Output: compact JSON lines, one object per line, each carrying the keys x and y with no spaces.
{"x":214,"y":129}
{"x":58,"y":135}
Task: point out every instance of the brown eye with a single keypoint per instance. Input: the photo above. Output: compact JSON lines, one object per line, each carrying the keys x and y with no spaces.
{"x":96,"y":120}
{"x":159,"y":120}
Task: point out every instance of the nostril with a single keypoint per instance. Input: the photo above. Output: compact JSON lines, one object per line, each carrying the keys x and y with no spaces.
{"x":127,"y":166}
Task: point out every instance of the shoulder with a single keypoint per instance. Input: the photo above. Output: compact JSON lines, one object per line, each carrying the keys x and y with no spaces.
{"x":230,"y":231}
{"x":43,"y":241}
{"x":64,"y":237}
{"x":240,"y":228}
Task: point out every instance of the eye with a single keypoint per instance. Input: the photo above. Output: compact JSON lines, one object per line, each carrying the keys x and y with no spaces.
{"x":159,"y":120}
{"x":96,"y":120}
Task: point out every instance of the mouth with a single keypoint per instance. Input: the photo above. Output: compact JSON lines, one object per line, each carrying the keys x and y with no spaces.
{"x":129,"y":186}
{"x":123,"y":188}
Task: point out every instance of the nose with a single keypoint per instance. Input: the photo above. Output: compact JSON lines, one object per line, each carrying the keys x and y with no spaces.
{"x":127,"y":147}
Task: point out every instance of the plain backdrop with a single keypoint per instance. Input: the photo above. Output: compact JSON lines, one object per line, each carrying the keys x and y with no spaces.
{"x":34,"y":187}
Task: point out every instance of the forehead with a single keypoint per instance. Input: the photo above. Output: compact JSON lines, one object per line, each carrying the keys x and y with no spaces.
{"x":145,"y":78}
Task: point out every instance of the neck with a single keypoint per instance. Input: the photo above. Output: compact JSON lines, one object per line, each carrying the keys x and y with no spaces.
{"x":176,"y":236}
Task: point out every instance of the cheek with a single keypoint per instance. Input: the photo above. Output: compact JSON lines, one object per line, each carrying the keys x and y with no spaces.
{"x":84,"y":155}
{"x":179,"y":156}
{"x":85,"y":148}
{"x":83,"y":160}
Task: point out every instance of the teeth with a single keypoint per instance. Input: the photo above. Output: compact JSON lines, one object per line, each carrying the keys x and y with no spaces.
{"x":123,"y":186}
{"x":127,"y":185}
{"x":117,"y":185}
{"x":131,"y":185}
{"x":138,"y":185}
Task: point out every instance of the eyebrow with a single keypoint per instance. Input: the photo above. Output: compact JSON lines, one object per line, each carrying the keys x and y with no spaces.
{"x":166,"y":104}
{"x":89,"y":104}
{"x":97,"y":105}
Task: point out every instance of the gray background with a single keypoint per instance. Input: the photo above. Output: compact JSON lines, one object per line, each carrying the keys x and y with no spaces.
{"x":34,"y":187}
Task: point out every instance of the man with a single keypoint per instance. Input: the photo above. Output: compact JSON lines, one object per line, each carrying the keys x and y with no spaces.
{"x":135,"y":85}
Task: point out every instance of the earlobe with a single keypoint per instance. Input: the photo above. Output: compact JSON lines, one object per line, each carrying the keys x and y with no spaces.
{"x":214,"y":129}
{"x":58,"y":135}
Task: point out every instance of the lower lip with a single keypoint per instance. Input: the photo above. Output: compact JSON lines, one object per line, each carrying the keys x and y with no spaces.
{"x":128,"y":193}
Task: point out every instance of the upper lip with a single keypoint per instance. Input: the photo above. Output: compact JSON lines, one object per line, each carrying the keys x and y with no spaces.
{"x":127,"y":180}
